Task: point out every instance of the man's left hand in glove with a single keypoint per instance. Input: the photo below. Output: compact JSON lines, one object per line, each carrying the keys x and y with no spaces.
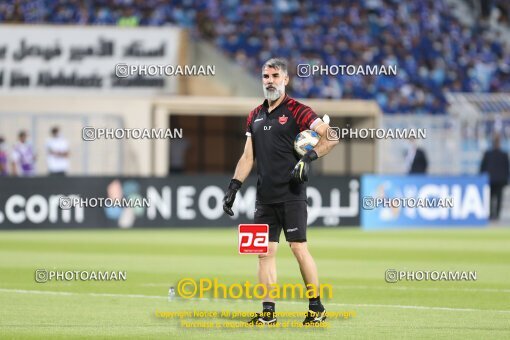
{"x":300,"y":171}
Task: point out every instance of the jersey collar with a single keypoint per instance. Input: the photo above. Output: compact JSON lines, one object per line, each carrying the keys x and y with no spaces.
{"x":266,"y":103}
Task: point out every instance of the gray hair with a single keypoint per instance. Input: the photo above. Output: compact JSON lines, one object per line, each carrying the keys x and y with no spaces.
{"x":276,"y":63}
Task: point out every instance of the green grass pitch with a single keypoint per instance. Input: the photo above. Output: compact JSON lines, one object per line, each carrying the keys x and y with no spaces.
{"x":352,"y":261}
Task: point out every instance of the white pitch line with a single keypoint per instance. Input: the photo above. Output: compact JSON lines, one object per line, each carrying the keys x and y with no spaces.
{"x":47,"y":292}
{"x":432,"y":289}
{"x":394,"y":286}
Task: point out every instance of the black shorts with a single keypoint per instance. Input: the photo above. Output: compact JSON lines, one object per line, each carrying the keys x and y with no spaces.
{"x":290,"y":216}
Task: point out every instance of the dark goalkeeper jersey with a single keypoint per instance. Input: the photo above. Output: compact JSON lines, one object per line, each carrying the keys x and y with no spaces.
{"x":273,"y":137}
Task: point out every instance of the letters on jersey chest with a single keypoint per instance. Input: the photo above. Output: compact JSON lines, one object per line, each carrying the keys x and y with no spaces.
{"x":277,"y":122}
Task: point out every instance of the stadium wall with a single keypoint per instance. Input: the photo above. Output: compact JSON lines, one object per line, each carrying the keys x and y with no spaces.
{"x":223,"y":83}
{"x":131,"y":113}
{"x":151,"y":157}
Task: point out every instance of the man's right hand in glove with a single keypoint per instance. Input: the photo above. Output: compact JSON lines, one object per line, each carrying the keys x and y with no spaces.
{"x":230,"y":196}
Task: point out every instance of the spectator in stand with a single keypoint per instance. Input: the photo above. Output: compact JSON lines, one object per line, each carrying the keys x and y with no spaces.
{"x":57,"y":149}
{"x":495,"y":164}
{"x":416,"y":159}
{"x":128,"y":19}
{"x":23,"y":157}
{"x":3,"y":158}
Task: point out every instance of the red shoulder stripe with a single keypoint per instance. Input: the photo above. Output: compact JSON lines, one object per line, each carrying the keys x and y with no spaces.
{"x":303,"y":114}
{"x":308,"y":116}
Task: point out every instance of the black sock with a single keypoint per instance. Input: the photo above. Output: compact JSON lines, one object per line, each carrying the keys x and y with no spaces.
{"x":315,"y":304}
{"x":268,"y":307}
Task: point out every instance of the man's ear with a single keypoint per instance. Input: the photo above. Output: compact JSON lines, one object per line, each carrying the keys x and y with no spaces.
{"x":286,"y":80}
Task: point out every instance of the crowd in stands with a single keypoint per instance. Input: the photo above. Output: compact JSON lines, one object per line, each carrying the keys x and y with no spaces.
{"x":433,"y":51}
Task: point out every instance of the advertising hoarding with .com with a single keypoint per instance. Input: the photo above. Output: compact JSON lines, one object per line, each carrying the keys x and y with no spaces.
{"x":176,"y":201}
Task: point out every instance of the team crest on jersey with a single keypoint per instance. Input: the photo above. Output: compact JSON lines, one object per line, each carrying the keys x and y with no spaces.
{"x":283,"y":119}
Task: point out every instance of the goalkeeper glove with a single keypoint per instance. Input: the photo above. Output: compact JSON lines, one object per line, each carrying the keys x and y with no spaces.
{"x":300,"y":171}
{"x":230,"y":196}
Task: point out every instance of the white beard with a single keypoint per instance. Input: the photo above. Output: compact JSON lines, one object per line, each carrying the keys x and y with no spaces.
{"x":273,"y":95}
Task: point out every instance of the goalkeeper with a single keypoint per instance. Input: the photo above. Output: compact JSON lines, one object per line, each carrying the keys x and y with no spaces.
{"x":281,"y":191}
